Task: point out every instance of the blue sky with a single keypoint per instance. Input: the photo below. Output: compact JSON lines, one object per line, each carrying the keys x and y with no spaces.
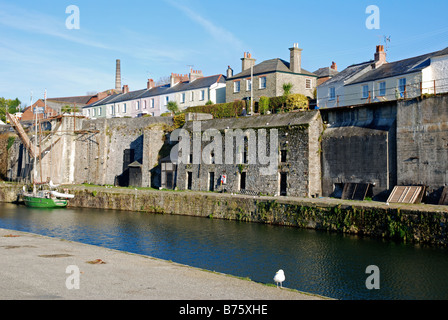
{"x":154,"y":38}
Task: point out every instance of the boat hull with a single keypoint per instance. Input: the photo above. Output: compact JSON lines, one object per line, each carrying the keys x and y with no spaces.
{"x":37,"y":202}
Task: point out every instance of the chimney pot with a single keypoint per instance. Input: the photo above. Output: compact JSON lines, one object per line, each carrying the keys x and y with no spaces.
{"x":334,"y":66}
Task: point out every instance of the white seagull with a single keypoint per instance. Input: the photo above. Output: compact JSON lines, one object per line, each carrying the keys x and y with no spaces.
{"x":279,"y":277}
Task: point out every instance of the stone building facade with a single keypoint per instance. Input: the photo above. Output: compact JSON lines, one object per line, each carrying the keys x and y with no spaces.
{"x":292,"y":166}
{"x":268,"y":78}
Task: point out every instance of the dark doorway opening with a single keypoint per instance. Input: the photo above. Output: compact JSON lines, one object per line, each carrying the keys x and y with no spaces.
{"x":243,"y":181}
{"x":283,"y":184}
{"x":189,"y":180}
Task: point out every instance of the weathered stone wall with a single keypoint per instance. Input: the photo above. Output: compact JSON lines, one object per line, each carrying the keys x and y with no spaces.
{"x":358,"y":146}
{"x":422,"y":143}
{"x":408,"y":223}
{"x":103,"y":143}
{"x":297,"y":135}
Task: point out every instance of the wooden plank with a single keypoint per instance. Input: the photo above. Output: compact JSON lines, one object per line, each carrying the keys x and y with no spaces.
{"x":406,"y":194}
{"x":443,"y":201}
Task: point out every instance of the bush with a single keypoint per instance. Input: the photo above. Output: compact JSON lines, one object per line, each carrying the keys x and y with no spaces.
{"x":221,"y":110}
{"x":296,"y":101}
{"x":179,"y":120}
{"x":263,"y":105}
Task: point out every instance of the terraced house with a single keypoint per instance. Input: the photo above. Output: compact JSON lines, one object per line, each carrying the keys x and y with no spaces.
{"x":187,"y":90}
{"x":378,"y":80}
{"x":269,"y":76}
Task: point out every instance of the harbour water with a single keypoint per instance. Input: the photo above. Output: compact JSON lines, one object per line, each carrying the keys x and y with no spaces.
{"x":327,"y":264}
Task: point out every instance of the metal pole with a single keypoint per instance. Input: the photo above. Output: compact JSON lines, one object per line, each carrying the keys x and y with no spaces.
{"x":251,"y":89}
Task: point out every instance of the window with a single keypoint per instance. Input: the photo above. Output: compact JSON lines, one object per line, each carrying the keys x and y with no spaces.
{"x":124,"y":107}
{"x":248,"y":85}
{"x":382,"y":88}
{"x":365,"y":91}
{"x":167,"y":99}
{"x":308,"y":83}
{"x":332,"y":93}
{"x":99,"y":111}
{"x":202,"y":95}
{"x":236,"y":86}
{"x":182,"y":97}
{"x":263,"y":83}
{"x":152,"y":103}
{"x":137,"y":105}
{"x":192,"y":96}
{"x":145,"y":104}
{"x":112,"y":110}
{"x":93,"y":113}
{"x":402,"y":86}
{"x":283,"y":154}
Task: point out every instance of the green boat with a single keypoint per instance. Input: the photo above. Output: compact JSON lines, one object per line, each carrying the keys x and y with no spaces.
{"x":44,"y":199}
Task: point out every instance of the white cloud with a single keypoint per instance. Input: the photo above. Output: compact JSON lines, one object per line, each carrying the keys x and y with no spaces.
{"x":218,"y":33}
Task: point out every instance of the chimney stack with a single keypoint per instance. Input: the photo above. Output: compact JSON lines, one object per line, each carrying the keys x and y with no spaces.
{"x":195,"y":74}
{"x":295,"y":63}
{"x":380,"y":56}
{"x":125,"y":89}
{"x":247,"y":61}
{"x":151,"y":84}
{"x":334,"y":66}
{"x":176,"y":78}
{"x":229,"y":72}
{"x":118,"y":76}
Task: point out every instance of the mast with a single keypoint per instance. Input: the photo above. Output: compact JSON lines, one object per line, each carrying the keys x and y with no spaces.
{"x":35,"y":146}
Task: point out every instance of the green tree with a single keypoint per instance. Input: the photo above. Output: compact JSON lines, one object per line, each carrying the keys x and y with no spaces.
{"x":172,"y":107}
{"x":287,"y":89}
{"x":8,"y":105}
{"x":286,"y":92}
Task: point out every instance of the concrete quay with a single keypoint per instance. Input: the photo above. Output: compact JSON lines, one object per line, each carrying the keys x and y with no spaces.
{"x":35,"y":267}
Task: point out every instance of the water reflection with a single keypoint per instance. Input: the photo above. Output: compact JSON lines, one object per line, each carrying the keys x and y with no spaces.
{"x":328,"y":264}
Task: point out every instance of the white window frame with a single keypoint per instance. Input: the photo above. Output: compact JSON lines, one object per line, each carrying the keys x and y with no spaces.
{"x":182,"y":97}
{"x":248,"y":84}
{"x":137,"y":105}
{"x":365,"y":93}
{"x":308,"y":83}
{"x":236,"y":86}
{"x":192,"y":96}
{"x":263,"y":82}
{"x":152,"y":103}
{"x":167,"y":99}
{"x":332,"y":93}
{"x":202,"y":95}
{"x":382,"y":88}
{"x":124,"y":108}
{"x":402,"y":86}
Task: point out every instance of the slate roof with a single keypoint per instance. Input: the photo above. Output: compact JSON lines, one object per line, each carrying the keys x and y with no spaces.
{"x":325,"y":72}
{"x":204,"y":82}
{"x":348,"y":72}
{"x":267,"y":66}
{"x":400,"y":67}
{"x":396,"y":68}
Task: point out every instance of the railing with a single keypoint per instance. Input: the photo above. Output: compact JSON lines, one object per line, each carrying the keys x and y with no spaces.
{"x":406,"y":91}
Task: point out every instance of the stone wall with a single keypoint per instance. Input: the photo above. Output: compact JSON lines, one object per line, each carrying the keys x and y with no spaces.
{"x":358,"y":146}
{"x":297,"y":136}
{"x":422,"y":143}
{"x":107,"y":146}
{"x":405,"y":223}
